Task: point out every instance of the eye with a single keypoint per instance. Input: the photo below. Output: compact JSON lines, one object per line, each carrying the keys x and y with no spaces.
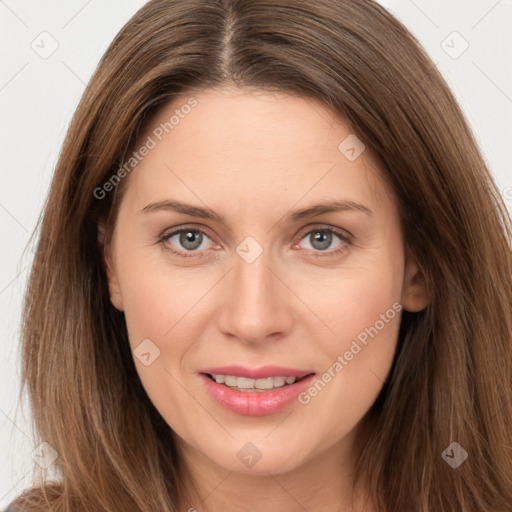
{"x":322,"y":238}
{"x":185,"y":240}
{"x":190,"y":241}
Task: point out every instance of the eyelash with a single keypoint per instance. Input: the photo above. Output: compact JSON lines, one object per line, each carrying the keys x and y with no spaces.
{"x":346,"y":240}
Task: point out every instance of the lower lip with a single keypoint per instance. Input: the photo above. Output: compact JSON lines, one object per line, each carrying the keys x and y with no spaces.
{"x":255,"y":403}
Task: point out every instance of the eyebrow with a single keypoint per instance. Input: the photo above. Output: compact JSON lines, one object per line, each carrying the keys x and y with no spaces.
{"x":304,"y":213}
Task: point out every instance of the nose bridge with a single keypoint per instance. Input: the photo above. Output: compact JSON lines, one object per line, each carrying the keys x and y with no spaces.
{"x":255,"y":307}
{"x":253,"y":281}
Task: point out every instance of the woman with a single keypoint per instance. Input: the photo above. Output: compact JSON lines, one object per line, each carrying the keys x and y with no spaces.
{"x":274,"y":273}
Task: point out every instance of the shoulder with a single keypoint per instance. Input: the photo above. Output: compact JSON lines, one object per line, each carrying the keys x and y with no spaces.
{"x":17,"y":506}
{"x":36,"y":499}
{"x":12,"y":508}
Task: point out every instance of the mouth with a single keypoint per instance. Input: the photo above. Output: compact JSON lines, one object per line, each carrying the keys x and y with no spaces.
{"x":248,"y":385}
{"x":257,"y":392}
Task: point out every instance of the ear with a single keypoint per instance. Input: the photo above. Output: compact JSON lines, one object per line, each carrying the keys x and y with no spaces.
{"x":414,"y":292}
{"x":113,"y":284}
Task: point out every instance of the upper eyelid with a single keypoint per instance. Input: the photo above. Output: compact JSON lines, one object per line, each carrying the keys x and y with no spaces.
{"x":340,"y":232}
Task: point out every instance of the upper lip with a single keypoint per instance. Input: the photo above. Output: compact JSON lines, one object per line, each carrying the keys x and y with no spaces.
{"x":263,"y":372}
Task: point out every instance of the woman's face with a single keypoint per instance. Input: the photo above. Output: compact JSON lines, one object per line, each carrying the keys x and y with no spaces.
{"x":257,"y":243}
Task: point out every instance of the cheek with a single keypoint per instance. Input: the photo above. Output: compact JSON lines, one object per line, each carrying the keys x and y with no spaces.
{"x":358,"y":298}
{"x":363,"y":309}
{"x":156,"y":299}
{"x":159,"y":307}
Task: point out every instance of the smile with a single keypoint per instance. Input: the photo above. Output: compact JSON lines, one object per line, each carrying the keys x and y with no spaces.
{"x":255,"y":385}
{"x":257,"y":392}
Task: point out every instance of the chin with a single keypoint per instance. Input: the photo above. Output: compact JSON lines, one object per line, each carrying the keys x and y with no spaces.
{"x":255,"y":459}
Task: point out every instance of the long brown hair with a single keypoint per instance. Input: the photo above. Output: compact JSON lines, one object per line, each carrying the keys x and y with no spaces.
{"x":452,"y":376}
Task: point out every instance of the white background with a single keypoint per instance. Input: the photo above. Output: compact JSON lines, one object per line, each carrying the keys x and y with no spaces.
{"x":38,"y":97}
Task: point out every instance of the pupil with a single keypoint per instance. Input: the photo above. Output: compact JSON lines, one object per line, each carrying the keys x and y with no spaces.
{"x":190,"y":237}
{"x":323,"y":238}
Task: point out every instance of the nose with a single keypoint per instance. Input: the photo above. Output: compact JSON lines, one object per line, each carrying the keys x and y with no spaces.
{"x":257,"y":305}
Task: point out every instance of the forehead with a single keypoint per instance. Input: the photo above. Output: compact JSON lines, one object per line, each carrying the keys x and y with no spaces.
{"x":249,"y":122}
{"x":242,"y":143}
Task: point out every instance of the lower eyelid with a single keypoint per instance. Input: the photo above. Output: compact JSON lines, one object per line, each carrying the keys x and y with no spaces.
{"x":344,"y":241}
{"x":167,"y":237}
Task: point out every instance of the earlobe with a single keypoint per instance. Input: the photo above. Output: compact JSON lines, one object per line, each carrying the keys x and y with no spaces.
{"x":415,"y":295}
{"x":113,"y":284}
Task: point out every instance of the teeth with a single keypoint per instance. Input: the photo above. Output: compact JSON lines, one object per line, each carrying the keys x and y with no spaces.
{"x":279,"y":381}
{"x":230,"y":381}
{"x":264,"y":383}
{"x":245,"y":384}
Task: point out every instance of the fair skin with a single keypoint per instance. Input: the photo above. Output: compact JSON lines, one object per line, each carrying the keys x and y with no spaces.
{"x":255,"y":158}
